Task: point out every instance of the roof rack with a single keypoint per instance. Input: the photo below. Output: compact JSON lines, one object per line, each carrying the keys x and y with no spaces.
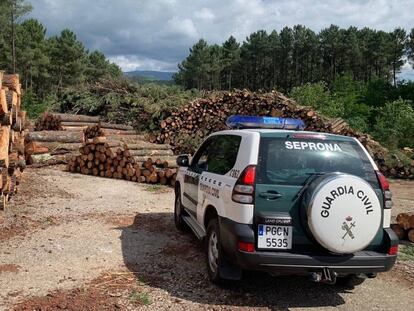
{"x":256,"y":122}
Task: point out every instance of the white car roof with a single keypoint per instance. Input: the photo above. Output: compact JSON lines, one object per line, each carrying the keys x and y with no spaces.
{"x":275,"y":131}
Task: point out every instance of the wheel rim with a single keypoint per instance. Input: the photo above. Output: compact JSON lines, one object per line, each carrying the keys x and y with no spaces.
{"x":213,"y":252}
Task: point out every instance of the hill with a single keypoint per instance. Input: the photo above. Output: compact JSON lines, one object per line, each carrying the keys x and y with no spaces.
{"x":151,"y":75}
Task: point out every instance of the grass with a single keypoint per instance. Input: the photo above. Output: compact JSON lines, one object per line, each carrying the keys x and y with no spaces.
{"x":407,"y":252}
{"x":153,"y":188}
{"x":141,"y":279}
{"x":140,"y":297}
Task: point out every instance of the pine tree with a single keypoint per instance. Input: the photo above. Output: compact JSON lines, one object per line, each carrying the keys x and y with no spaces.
{"x":397,"y":45}
{"x":12,"y":11}
{"x":68,"y":59}
{"x":31,"y":53}
{"x":230,"y":61}
{"x":410,"y":47}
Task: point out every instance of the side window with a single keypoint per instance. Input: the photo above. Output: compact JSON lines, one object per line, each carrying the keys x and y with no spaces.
{"x":223,"y":154}
{"x":199,"y":161}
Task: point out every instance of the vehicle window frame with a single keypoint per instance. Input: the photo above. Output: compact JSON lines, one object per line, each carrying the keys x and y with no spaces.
{"x":263,"y":177}
{"x":198,"y":154}
{"x":236,"y":152}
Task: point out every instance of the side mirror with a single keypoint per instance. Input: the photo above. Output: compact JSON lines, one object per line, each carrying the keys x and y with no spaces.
{"x":183,"y":160}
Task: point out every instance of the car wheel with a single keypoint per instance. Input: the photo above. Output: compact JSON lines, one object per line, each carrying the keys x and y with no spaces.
{"x":214,"y":253}
{"x":350,"y":281}
{"x":178,"y":213}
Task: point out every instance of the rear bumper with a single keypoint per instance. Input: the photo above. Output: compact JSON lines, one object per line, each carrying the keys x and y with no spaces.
{"x":299,"y":263}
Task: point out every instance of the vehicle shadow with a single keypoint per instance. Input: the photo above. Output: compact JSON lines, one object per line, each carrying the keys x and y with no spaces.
{"x":163,"y":258}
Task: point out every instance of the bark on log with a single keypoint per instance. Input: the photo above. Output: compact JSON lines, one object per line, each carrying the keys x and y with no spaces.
{"x":411,"y":235}
{"x":4,"y":144}
{"x":150,"y":152}
{"x":76,"y":118}
{"x":399,"y":231}
{"x":3,"y":102}
{"x":103,"y":125}
{"x":55,"y":136}
{"x":403,"y":219}
{"x":12,"y":82}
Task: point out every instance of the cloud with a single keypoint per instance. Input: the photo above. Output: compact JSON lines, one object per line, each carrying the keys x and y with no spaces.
{"x":156,"y":34}
{"x":407,"y":72}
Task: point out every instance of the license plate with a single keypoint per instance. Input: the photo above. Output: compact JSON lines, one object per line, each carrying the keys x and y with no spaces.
{"x":274,"y":237}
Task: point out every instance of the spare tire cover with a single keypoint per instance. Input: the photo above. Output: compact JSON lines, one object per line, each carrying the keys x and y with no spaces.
{"x":343,"y":212}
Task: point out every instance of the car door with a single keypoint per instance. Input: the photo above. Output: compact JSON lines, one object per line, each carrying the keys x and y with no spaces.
{"x":192,"y":177}
{"x":216,"y":181}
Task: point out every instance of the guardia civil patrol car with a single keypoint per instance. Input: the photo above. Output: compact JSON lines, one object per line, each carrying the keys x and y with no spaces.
{"x":269,"y":196}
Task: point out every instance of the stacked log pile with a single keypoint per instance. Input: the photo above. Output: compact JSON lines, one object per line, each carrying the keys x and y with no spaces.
{"x":59,"y":147}
{"x":93,"y":131}
{"x":48,"y":122}
{"x":404,"y":228}
{"x":102,"y":157}
{"x":74,"y":122}
{"x":64,"y":135}
{"x":184,"y":129}
{"x":13,"y":121}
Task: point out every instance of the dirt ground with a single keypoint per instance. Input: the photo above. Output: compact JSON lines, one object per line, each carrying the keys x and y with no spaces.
{"x":75,"y":242}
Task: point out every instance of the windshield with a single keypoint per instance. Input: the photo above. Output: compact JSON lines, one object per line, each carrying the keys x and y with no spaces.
{"x":291,"y":161}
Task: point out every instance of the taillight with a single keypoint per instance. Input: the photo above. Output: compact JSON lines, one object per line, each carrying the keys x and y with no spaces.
{"x":243,"y":191}
{"x":246,"y":247}
{"x":393,"y":250}
{"x":385,"y":187}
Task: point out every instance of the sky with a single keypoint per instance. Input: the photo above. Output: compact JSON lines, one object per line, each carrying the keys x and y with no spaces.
{"x":157,"y":34}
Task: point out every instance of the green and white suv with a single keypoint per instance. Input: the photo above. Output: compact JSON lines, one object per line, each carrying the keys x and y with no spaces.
{"x":286,"y":202}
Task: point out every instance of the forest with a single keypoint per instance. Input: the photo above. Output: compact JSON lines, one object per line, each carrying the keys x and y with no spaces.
{"x":47,"y":65}
{"x":295,"y":56}
{"x":348,"y":73}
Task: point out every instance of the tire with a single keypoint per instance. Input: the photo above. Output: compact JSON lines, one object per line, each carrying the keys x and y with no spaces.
{"x":350,"y":281}
{"x":214,"y":254}
{"x":178,"y":213}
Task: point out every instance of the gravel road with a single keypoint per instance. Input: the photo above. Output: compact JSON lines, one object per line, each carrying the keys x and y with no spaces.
{"x":84,"y":243}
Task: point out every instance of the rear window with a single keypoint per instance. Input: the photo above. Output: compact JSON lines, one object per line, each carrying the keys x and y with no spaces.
{"x":291,"y":161}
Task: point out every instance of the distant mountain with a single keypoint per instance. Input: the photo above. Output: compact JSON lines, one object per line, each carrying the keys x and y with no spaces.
{"x":151,"y":75}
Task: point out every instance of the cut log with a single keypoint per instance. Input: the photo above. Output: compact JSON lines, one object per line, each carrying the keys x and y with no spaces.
{"x":54,"y":147}
{"x":410,"y":235}
{"x":55,"y":136}
{"x":143,"y":145}
{"x":76,"y":118}
{"x":172,"y":161}
{"x":48,"y":159}
{"x":3,"y":102}
{"x":150,"y":152}
{"x":103,"y":125}
{"x":108,"y":132}
{"x":12,"y":82}
{"x":411,"y":222}
{"x":399,"y":231}
{"x":403,"y":219}
{"x":4,"y":144}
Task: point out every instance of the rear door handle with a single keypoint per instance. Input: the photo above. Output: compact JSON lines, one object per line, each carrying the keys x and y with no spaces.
{"x":270,"y":195}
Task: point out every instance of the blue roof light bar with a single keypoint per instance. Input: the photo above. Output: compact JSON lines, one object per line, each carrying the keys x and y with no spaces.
{"x":236,"y":121}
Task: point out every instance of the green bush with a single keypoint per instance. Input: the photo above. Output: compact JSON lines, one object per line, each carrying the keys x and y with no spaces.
{"x":394,"y":124}
{"x":123,"y":101}
{"x":35,"y":106}
{"x":317,"y":95}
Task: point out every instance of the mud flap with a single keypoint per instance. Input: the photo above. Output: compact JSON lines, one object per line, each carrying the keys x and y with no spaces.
{"x":229,"y":271}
